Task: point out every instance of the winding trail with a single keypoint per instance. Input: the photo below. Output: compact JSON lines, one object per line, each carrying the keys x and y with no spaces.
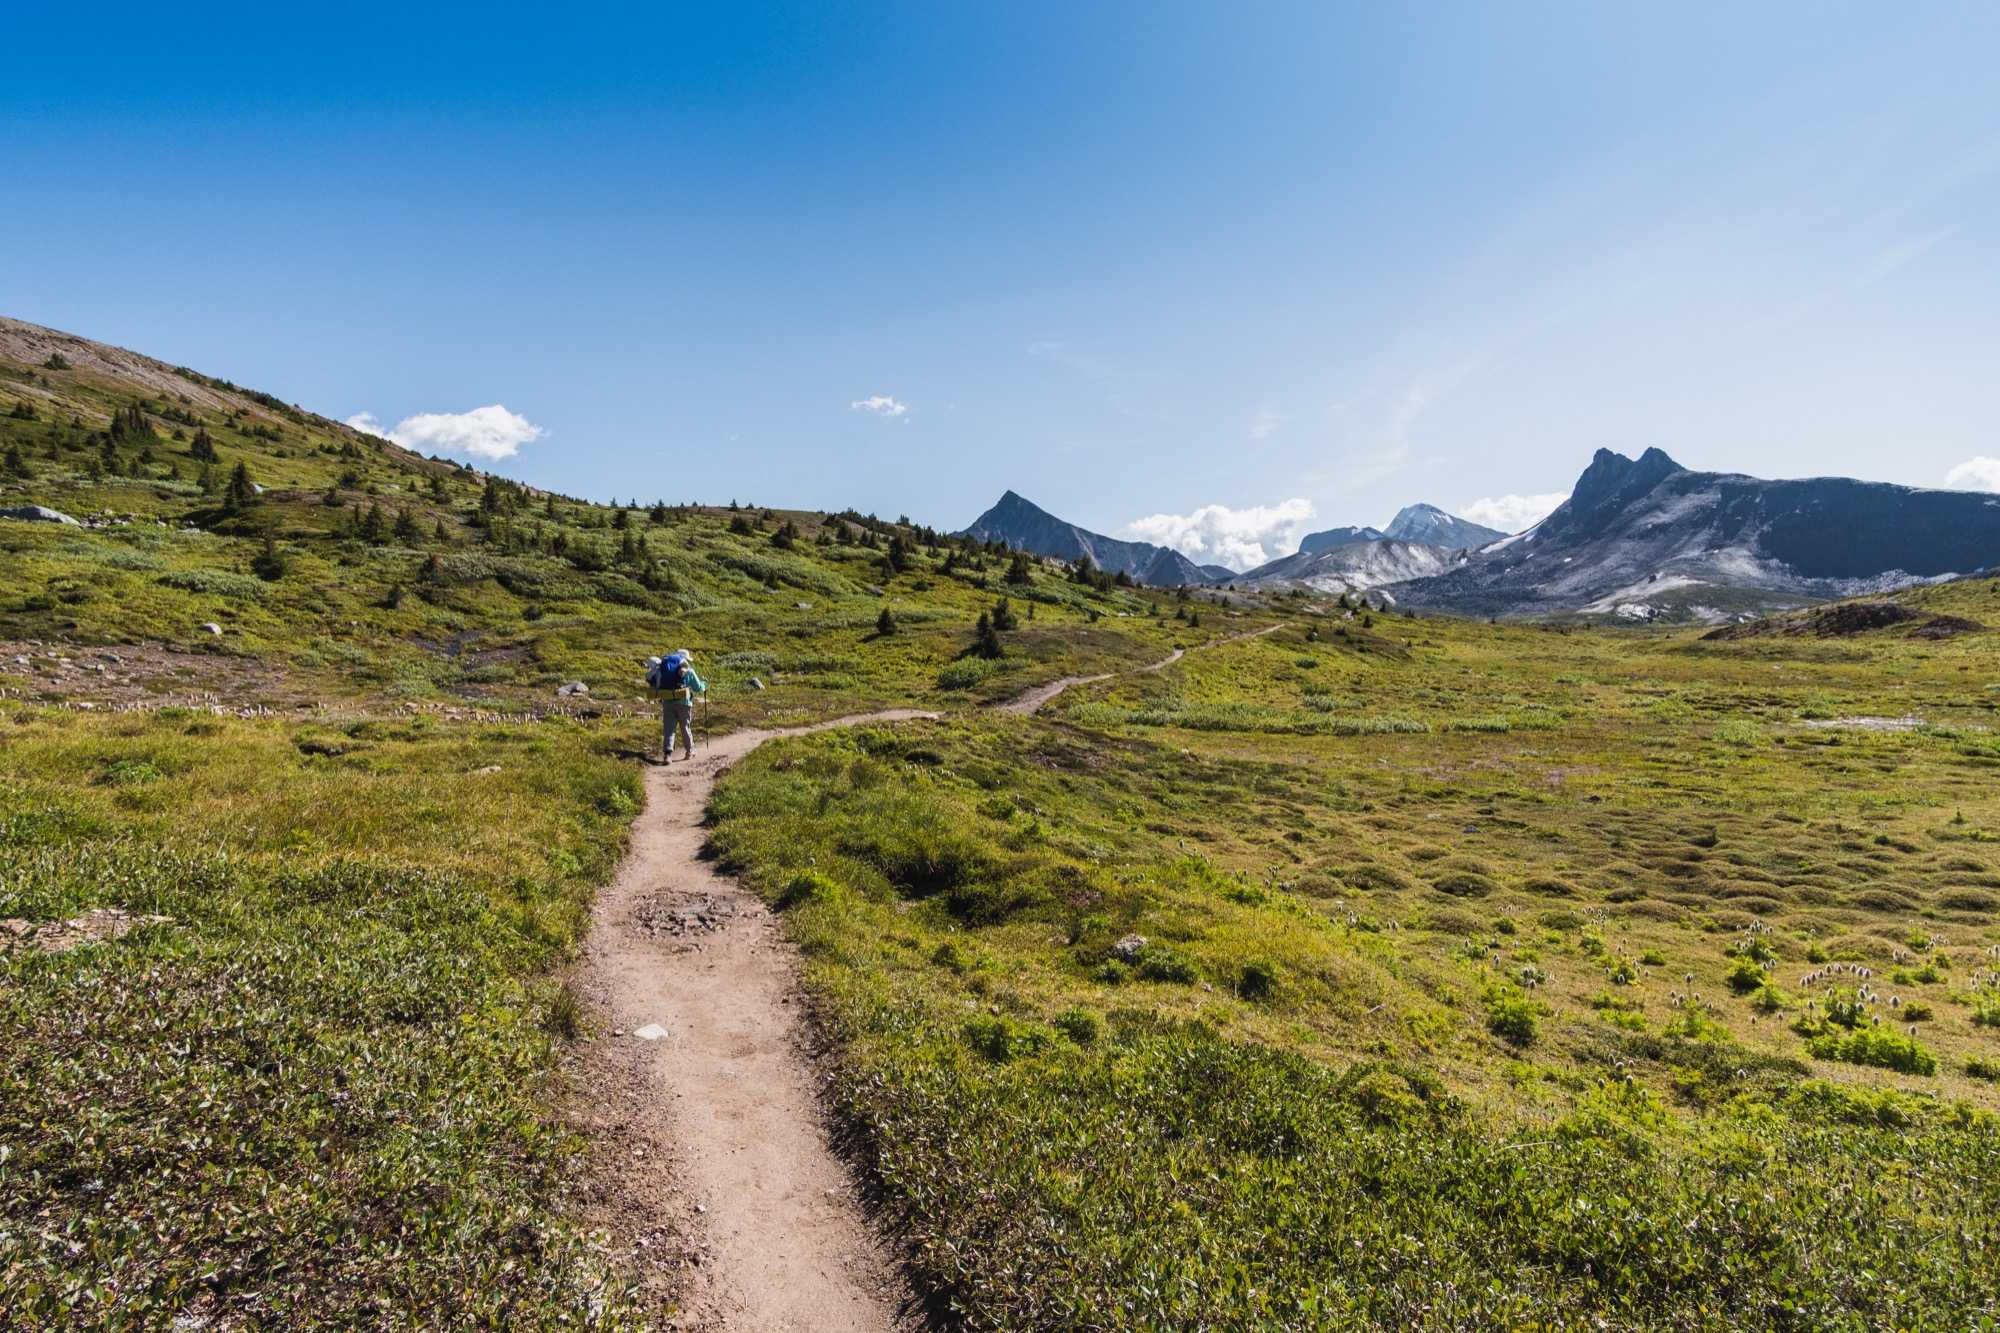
{"x":1031,"y":701}
{"x":712,"y":1152}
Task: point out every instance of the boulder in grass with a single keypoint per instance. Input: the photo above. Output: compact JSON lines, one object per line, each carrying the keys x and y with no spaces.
{"x":572,"y":688}
{"x":210,"y":627}
{"x":1128,"y":949}
{"x":38,"y":514}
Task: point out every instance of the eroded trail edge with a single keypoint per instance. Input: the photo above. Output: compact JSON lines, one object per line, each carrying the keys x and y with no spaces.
{"x":712,"y":1156}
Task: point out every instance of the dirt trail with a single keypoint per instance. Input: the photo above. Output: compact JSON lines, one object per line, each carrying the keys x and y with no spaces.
{"x":1031,"y":701}
{"x":730,"y":1119}
{"x":711,"y":1147}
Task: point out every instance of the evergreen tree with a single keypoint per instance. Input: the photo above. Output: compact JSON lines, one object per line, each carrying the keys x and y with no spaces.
{"x":657,"y":516}
{"x":270,"y":564}
{"x":1019,"y":569}
{"x":786,"y":536}
{"x":986,"y":641}
{"x":130,"y":424}
{"x":434,"y":571}
{"x":241,"y":492}
{"x":373,"y":526}
{"x":17,"y":465}
{"x":885,"y":624}
{"x":1003,"y":615}
{"x":406,"y":527}
{"x":202,"y":448}
{"x":439,"y":535}
{"x":623,"y":518}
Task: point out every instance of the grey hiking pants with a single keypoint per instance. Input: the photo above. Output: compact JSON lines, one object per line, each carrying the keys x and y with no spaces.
{"x":677,"y":716}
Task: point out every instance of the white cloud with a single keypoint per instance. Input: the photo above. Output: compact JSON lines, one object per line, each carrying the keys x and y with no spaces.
{"x":1975,"y":474}
{"x":485,"y":432}
{"x":1219,"y":535}
{"x":882,"y":405}
{"x":1512,"y":513}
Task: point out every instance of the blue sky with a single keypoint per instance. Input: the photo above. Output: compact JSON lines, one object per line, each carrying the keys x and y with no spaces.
{"x":1233,"y":270}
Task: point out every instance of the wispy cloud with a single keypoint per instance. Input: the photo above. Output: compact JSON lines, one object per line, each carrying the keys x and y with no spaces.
{"x":1512,"y":513}
{"x":490,"y":432}
{"x":1975,"y":474}
{"x":1264,"y":423}
{"x":882,"y":405}
{"x":1897,"y":257}
{"x":1219,"y":535}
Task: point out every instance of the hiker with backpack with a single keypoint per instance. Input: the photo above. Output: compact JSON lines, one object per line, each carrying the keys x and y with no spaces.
{"x":674,"y":676}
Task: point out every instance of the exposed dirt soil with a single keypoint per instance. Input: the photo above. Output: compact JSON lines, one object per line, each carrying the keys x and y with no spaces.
{"x":714,"y":1159}
{"x":103,"y":923}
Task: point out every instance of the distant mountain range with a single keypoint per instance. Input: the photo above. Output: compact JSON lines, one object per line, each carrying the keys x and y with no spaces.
{"x":1638,"y":538}
{"x":1026,"y":526}
{"x":1647,"y":538}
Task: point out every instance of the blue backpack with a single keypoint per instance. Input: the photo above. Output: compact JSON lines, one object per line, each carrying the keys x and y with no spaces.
{"x":666,"y":673}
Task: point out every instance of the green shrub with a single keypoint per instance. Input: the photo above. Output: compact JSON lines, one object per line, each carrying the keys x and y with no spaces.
{"x":1161,"y":962}
{"x":1875,"y":1046}
{"x":1079,"y":1025}
{"x":215,"y":583}
{"x":1747,"y":976}
{"x":1512,"y":1018}
{"x":966,"y":672}
{"x":1259,"y":981}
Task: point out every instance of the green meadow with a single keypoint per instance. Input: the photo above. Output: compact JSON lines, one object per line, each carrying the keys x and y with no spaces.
{"x":1375,"y":971}
{"x":1421,"y":973}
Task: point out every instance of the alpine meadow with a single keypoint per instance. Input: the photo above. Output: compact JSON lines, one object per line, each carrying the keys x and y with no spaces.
{"x":540,"y":788}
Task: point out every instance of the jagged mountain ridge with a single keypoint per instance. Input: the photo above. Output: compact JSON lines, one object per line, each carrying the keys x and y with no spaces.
{"x":1645,"y":537}
{"x":1026,"y":526}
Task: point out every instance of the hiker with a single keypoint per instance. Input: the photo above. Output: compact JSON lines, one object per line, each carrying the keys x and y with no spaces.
{"x":674,"y":676}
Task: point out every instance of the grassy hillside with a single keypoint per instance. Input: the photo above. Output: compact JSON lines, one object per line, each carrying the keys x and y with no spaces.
{"x":372,"y":572}
{"x":319,"y":1089}
{"x":1377,"y":971}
